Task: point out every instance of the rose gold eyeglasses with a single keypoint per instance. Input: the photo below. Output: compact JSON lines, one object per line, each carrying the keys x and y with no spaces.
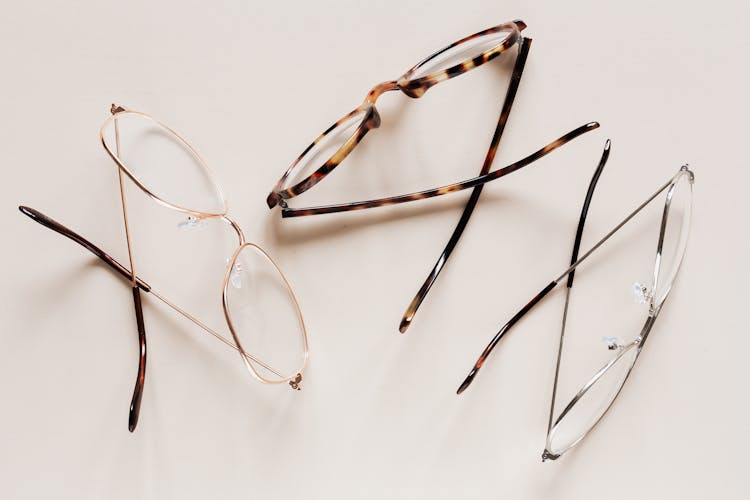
{"x":273,"y":344}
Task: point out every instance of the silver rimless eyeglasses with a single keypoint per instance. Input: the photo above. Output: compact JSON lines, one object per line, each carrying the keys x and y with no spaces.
{"x":589,"y":404}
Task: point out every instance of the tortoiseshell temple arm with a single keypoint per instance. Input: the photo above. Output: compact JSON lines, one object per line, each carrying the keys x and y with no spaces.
{"x":371,"y":121}
{"x":576,"y":247}
{"x":451,"y":188}
{"x":523,"y":51}
{"x":59,"y":228}
{"x":135,"y":403}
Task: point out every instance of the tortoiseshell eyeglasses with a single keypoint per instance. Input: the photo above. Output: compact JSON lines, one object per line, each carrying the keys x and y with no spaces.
{"x":329,"y":149}
{"x":591,"y":402}
{"x":272,"y":342}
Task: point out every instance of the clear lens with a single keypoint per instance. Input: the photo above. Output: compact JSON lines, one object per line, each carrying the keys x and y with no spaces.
{"x":323,"y":149}
{"x":264,"y":315}
{"x":587,"y":410}
{"x":451,"y":56}
{"x":675,"y":236}
{"x":162,"y":162}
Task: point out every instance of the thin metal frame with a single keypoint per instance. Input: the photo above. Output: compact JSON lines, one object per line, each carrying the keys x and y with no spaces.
{"x":655,"y":303}
{"x":139,"y":284}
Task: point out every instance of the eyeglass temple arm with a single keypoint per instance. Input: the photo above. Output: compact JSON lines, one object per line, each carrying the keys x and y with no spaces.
{"x":579,"y":231}
{"x":50,"y":223}
{"x":451,"y":188}
{"x":135,"y":403}
{"x":523,"y":51}
{"x":585,"y":208}
{"x":573,"y":259}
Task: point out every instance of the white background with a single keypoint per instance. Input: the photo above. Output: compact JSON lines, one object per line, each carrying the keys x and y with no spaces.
{"x":250,"y":85}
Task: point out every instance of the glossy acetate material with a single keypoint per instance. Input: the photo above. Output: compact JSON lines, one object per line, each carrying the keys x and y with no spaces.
{"x":264,"y":315}
{"x":594,"y":400}
{"x":676,"y":231}
{"x":452,"y":56}
{"x":324,"y":148}
{"x":162,"y":162}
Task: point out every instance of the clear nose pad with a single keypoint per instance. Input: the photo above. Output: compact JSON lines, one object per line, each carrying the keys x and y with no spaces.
{"x":641,"y":293}
{"x":235,"y":276}
{"x":191,"y":223}
{"x":613,"y":343}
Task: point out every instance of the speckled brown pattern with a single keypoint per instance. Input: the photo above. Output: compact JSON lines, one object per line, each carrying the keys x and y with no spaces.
{"x":451,"y":188}
{"x":413,"y":87}
{"x":370,"y":121}
{"x":524,"y":45}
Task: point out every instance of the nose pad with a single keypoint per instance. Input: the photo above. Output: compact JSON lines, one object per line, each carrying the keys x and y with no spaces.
{"x":235,"y":275}
{"x":641,"y":294}
{"x":613,"y":343}
{"x":191,"y":223}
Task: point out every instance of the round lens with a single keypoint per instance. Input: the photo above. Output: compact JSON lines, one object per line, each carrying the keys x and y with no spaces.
{"x":463,"y":51}
{"x":592,"y":401}
{"x":676,"y":230}
{"x":162,"y":163}
{"x":264,"y":316}
{"x":327,"y":146}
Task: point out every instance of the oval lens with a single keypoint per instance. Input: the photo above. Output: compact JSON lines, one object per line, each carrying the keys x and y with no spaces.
{"x":574,"y":423}
{"x":162,"y":162}
{"x":676,"y":233}
{"x":264,"y":316}
{"x":454,"y":55}
{"x":324,"y":148}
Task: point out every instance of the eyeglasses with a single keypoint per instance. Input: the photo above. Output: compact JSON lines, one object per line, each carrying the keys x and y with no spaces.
{"x":272,"y":341}
{"x":587,"y":407}
{"x":329,"y":149}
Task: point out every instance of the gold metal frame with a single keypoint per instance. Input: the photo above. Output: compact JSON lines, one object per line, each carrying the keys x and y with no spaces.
{"x":248,"y":359}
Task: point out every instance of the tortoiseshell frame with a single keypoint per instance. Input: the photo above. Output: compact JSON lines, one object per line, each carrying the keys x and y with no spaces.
{"x":416,"y":87}
{"x":638,"y":343}
{"x":412,"y":87}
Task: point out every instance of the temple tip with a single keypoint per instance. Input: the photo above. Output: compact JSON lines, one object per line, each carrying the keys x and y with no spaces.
{"x":132,"y":421}
{"x":405,"y":324}
{"x":466,"y":383}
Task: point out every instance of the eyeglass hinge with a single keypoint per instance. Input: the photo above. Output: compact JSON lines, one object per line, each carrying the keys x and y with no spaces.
{"x":295,"y":383}
{"x":114,"y":109}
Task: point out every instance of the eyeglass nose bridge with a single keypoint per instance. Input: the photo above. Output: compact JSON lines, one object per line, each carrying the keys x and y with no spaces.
{"x":380,"y":89}
{"x":237,"y":229}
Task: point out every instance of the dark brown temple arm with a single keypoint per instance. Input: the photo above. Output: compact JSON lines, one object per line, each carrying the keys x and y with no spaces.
{"x":135,"y":403}
{"x":570,"y":273}
{"x":59,"y":228}
{"x":451,"y":188}
{"x":523,"y":51}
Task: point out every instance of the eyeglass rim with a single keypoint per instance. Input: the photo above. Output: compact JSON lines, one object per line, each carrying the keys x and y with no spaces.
{"x":370,"y":120}
{"x":228,"y":316}
{"x":654,"y":310}
{"x":416,"y":87}
{"x":635,"y":344}
{"x":117,"y":112}
{"x":413,"y":88}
